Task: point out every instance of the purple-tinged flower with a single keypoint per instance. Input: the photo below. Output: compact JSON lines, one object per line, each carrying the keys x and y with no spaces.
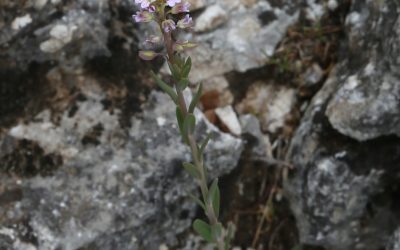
{"x":168,"y":25}
{"x":144,"y":4}
{"x":151,"y":9}
{"x":171,"y":3}
{"x":143,"y":17}
{"x":153,"y":39}
{"x":180,"y":46}
{"x":185,"y":23}
{"x":147,"y":55}
{"x":180,"y":8}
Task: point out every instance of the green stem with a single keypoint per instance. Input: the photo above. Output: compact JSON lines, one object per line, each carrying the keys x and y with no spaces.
{"x":198,"y":162}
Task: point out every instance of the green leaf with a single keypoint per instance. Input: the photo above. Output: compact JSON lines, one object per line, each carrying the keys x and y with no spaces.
{"x":191,"y":169}
{"x":167,"y":89}
{"x":183,"y":83}
{"x":195,"y":99}
{"x":203,"y":229}
{"x":175,"y":71}
{"x":198,"y":201}
{"x":188,"y":66}
{"x":214,"y":197}
{"x":205,"y":142}
{"x":189,"y":124}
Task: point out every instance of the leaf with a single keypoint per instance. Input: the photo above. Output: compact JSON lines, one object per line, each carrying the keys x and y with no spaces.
{"x":174,"y":71}
{"x":195,"y":99}
{"x":189,"y":124}
{"x":188,"y":66}
{"x":198,"y":201}
{"x":191,"y":169}
{"x":214,"y":197}
{"x":167,"y":89}
{"x":205,"y":142}
{"x":183,"y":83}
{"x":203,"y":229}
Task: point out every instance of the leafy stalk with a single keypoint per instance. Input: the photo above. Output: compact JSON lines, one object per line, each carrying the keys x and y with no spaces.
{"x":213,"y":230}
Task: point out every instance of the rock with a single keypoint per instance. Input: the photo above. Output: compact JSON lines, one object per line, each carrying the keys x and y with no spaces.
{"x":341,"y":193}
{"x":247,"y":38}
{"x":21,"y":22}
{"x":313,"y":75}
{"x":366,"y":105}
{"x":228,"y":117}
{"x":272,"y":104}
{"x":211,"y":18}
{"x":220,"y":86}
{"x":346,"y":150}
{"x":114,"y":186}
{"x":394,"y":241}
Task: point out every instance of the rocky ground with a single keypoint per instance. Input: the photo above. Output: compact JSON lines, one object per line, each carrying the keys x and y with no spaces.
{"x":304,"y":98}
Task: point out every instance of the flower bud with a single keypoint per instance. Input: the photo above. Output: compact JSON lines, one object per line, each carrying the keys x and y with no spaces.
{"x":147,"y":55}
{"x":143,"y":17}
{"x":185,"y":23}
{"x":168,"y":25}
{"x":180,"y":46}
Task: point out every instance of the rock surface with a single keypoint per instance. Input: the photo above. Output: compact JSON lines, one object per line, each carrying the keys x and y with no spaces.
{"x":345,"y":190}
{"x":112,"y":188}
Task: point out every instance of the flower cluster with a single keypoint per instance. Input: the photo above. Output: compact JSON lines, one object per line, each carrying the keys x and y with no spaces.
{"x":164,"y":12}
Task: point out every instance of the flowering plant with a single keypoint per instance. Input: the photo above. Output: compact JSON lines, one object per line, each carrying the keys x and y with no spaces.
{"x":164,"y":13}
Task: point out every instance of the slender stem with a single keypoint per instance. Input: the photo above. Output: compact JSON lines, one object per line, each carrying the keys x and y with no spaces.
{"x":197,"y":160}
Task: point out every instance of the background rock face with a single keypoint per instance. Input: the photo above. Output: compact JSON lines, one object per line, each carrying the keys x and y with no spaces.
{"x":90,"y":155}
{"x":345,"y":150}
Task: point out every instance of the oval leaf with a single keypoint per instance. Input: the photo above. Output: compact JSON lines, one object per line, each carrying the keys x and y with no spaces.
{"x":191,"y":169}
{"x":167,"y":89}
{"x":195,"y":99}
{"x":203,"y":229}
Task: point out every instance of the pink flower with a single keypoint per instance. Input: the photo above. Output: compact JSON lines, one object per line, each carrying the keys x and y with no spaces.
{"x":143,"y":17}
{"x":180,"y":8}
{"x":171,"y":3}
{"x":144,"y":4}
{"x":185,"y":23}
{"x":168,"y":25}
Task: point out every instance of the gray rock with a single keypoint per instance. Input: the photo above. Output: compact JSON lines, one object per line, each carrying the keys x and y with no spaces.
{"x":346,"y":150}
{"x":340,"y":192}
{"x":247,"y":37}
{"x":367,"y":103}
{"x":115,"y":187}
{"x":394,"y":242}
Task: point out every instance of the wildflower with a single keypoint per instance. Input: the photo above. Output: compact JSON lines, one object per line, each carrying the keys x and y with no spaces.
{"x":168,"y":25}
{"x":180,"y":46}
{"x":147,"y":55}
{"x":186,"y":22}
{"x":143,"y":3}
{"x":180,"y":8}
{"x":143,"y":17}
{"x":172,"y":3}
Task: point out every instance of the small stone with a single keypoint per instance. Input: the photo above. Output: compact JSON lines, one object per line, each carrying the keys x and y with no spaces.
{"x":332,"y":5}
{"x":229,"y":118}
{"x":313,"y":75}
{"x":21,"y":22}
{"x":211,"y":18}
{"x":196,"y":4}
